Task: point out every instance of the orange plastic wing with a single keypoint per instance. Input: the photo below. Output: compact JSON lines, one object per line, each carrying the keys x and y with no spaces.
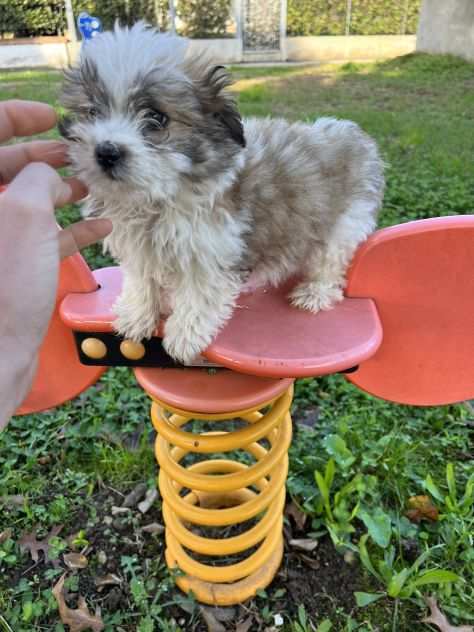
{"x":421,"y":277}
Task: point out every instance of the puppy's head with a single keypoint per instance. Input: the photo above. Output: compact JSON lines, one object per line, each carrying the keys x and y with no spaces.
{"x":143,"y":118}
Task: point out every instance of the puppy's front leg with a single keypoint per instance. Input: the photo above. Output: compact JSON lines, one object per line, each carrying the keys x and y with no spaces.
{"x":137,"y":308}
{"x":201,"y":306}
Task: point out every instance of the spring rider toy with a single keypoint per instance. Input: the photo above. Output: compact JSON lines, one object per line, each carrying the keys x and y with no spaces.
{"x":404,"y":333}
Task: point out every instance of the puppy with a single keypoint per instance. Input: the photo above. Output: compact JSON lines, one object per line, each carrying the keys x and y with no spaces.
{"x":200,"y":199}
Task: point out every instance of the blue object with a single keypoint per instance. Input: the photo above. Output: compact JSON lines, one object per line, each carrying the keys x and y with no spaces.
{"x":89,"y":26}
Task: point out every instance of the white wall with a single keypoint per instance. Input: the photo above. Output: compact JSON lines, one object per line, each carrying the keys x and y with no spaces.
{"x":447,"y":26}
{"x":339,"y":48}
{"x":33,"y":55}
{"x":227,"y":51}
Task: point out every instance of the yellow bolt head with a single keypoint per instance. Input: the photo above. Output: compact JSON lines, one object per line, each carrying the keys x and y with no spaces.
{"x":94,"y":348}
{"x":132,"y":350}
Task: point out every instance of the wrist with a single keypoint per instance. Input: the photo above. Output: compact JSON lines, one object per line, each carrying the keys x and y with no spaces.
{"x":17,"y":371}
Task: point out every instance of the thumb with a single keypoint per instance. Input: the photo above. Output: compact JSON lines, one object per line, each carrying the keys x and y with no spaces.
{"x":38,"y":188}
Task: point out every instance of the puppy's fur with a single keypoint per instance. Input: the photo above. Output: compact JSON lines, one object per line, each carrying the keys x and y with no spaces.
{"x":200,"y":199}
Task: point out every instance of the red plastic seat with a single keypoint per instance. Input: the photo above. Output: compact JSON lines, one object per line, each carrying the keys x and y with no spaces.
{"x":266,"y":335}
{"x":421,"y":277}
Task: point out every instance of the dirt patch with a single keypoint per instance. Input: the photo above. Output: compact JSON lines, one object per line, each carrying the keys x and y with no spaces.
{"x":318,"y":580}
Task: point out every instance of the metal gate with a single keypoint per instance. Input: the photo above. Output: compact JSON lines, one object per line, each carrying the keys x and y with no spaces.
{"x":264,"y":29}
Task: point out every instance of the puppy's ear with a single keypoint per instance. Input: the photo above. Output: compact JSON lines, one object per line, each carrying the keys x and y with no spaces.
{"x":218,"y":103}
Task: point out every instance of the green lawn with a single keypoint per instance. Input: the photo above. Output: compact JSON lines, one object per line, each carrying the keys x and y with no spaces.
{"x":70,"y":466}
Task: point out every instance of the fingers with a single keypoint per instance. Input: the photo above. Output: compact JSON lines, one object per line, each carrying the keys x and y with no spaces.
{"x":78,"y":189}
{"x":24,"y":118}
{"x":40,"y":189}
{"x":14,"y":157}
{"x":82,"y":234}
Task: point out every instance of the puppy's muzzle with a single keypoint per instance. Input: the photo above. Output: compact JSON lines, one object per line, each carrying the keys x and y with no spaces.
{"x":108,"y":155}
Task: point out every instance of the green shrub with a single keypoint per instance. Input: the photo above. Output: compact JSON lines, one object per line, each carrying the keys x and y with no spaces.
{"x":316,"y":17}
{"x":209,"y":18}
{"x":204,"y":18}
{"x":368,"y":17}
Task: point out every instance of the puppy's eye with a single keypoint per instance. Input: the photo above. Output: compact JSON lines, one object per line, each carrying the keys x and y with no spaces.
{"x":92,"y":112}
{"x":157,"y":119}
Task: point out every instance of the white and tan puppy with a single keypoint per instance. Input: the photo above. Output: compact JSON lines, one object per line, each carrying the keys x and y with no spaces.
{"x":200,"y":199}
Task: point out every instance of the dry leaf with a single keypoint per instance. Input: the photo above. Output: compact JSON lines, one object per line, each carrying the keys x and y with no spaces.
{"x":75,"y":560}
{"x":213,"y":625}
{"x":120,"y":510}
{"x":151,"y":496}
{"x":421,"y":508}
{"x":439,"y":619}
{"x":245,"y":625}
{"x":5,"y":535}
{"x":108,"y":580}
{"x":135,"y":495}
{"x":29,"y":543}
{"x":154,"y":528}
{"x":79,"y":619}
{"x":309,"y":561}
{"x":305,"y":544}
{"x":293,"y":511}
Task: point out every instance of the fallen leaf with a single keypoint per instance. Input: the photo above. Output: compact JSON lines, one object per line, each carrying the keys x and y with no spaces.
{"x":305,"y":544}
{"x":153,"y":528}
{"x":439,"y":619}
{"x":120,"y":510}
{"x":135,"y":495}
{"x":421,"y":508}
{"x":5,"y":535}
{"x":278,"y":620}
{"x":75,"y":560}
{"x":309,"y":561}
{"x":79,"y":619}
{"x":108,"y":580}
{"x":28,"y":542}
{"x":244,"y":626}
{"x":293,"y":511}
{"x":213,"y":625}
{"x":151,"y":496}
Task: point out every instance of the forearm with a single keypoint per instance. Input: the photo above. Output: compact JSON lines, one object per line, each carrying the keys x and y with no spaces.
{"x":17,"y":370}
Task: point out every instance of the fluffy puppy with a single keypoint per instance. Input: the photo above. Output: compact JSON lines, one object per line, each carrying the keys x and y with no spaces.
{"x":200,"y":199}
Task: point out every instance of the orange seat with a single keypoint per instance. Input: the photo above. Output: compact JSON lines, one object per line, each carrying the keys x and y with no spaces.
{"x":420,"y":275}
{"x":266,"y":336}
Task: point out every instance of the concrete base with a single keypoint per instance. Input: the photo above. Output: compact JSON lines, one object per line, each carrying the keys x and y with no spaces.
{"x":58,"y":54}
{"x":447,"y":27}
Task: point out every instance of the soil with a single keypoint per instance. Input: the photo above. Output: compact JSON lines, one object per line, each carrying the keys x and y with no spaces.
{"x":319,"y":580}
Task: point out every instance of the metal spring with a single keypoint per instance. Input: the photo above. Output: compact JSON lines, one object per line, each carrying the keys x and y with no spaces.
{"x":224,"y":492}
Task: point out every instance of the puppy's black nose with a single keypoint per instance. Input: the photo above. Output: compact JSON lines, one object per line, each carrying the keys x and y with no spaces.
{"x":108,"y":155}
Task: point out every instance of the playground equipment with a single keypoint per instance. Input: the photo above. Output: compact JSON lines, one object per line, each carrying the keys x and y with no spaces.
{"x":404,"y":332}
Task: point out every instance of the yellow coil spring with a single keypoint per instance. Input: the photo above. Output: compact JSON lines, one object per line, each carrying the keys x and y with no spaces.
{"x":224,"y":492}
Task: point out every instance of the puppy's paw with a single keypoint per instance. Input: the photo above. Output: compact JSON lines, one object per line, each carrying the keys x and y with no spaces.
{"x":183,"y":346}
{"x":132,"y":324}
{"x":315,"y":296}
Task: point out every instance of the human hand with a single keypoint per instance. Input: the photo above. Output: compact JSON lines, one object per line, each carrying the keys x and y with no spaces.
{"x":31,"y":244}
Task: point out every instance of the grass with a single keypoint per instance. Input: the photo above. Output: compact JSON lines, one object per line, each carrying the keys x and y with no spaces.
{"x":355,"y":461}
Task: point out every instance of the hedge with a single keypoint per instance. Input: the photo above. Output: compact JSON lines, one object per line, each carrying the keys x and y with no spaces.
{"x":210,"y":18}
{"x":367,"y":17}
